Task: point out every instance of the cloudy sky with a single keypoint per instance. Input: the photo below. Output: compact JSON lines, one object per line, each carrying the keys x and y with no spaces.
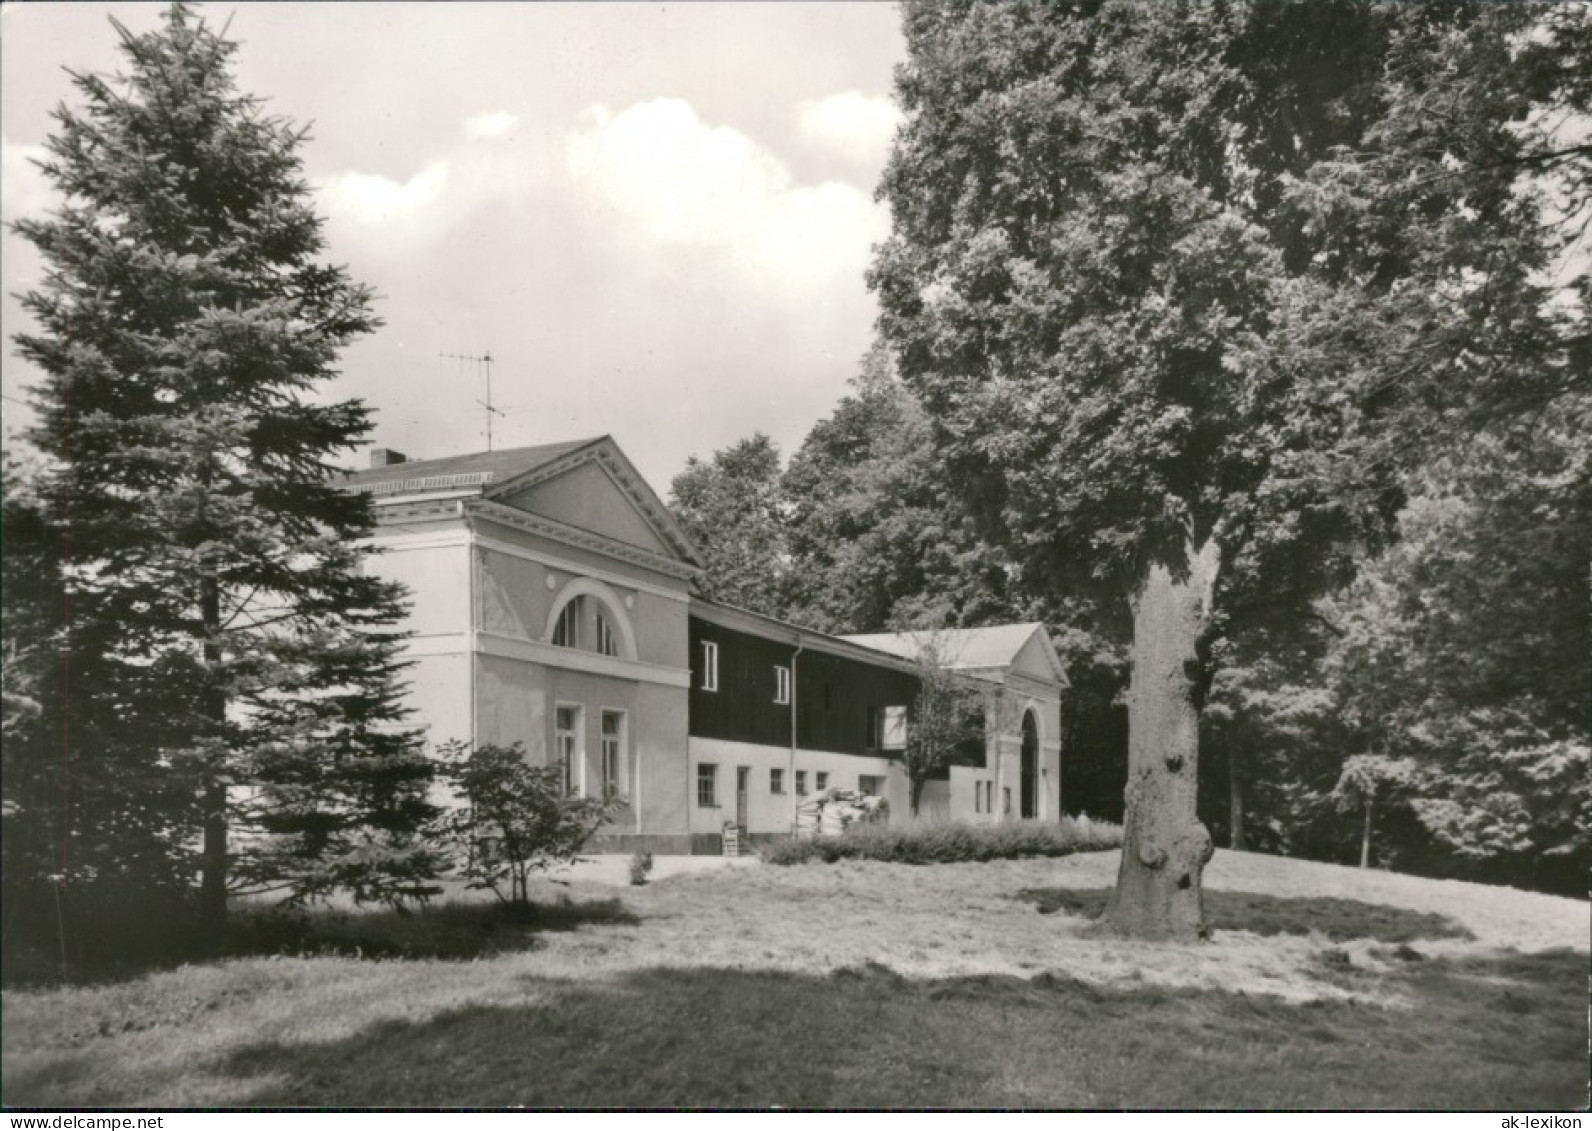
{"x":656,"y":217}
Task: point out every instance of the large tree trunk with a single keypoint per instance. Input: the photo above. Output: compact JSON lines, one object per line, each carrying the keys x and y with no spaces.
{"x":1164,"y":846}
{"x":1235,"y":802}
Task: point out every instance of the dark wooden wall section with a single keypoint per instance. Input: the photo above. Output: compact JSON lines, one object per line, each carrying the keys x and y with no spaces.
{"x":833,"y":693}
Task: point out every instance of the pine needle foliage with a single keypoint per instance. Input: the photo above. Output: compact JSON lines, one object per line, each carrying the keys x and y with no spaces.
{"x":228,"y":683}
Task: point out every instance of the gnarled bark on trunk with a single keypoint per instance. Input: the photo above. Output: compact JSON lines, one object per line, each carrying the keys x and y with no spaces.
{"x":1164,"y":846}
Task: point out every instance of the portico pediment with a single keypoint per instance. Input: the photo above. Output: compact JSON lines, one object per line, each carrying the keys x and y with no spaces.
{"x":595,"y":489}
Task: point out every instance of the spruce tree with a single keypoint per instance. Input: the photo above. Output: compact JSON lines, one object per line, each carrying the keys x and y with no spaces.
{"x":230,"y":677}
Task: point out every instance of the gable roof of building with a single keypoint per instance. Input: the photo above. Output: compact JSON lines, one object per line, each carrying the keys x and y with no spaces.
{"x":491,"y":476}
{"x":968,"y":649}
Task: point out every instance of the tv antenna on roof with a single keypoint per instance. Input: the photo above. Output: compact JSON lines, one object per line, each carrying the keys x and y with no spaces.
{"x":484,"y":363}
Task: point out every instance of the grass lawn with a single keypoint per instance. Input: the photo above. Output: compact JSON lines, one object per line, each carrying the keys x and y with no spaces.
{"x":858,"y":984}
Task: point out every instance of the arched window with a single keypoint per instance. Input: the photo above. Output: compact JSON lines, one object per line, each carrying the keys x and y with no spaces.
{"x":607,"y":642}
{"x":1028,"y":766}
{"x":566,"y":633}
{"x":588,"y":614}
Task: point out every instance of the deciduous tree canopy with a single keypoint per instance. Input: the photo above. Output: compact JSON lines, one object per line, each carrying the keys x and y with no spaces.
{"x":1186,"y":288}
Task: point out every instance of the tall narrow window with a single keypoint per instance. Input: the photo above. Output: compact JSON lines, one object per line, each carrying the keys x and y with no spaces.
{"x":781,"y":684}
{"x":776,"y":781}
{"x":801,"y":783}
{"x":821,"y":780}
{"x":566,"y":633}
{"x":566,"y":745}
{"x":607,"y":644}
{"x":708,"y":785}
{"x":613,"y":753}
{"x":710,"y":666}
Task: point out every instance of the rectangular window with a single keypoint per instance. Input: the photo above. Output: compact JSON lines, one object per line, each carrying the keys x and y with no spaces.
{"x":566,"y":745}
{"x":821,"y":781}
{"x":1006,"y":798}
{"x":606,"y":643}
{"x":776,"y":781}
{"x":978,"y":797}
{"x":801,"y":783}
{"x":781,"y":684}
{"x":613,"y":753}
{"x":566,"y":633}
{"x":872,"y":786}
{"x":710,"y":666}
{"x":707,"y":785}
{"x":894,"y":733}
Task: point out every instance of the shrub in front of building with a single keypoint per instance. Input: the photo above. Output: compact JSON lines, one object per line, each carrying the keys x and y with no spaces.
{"x":949,"y":843}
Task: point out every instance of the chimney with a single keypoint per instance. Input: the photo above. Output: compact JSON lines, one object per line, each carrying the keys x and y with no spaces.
{"x":385,"y":457}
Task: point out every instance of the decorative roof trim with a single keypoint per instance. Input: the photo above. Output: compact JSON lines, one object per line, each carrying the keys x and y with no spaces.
{"x":444,"y":506}
{"x":574,"y":536}
{"x":606,"y":454}
{"x":420,"y":484}
{"x":1051,"y":656}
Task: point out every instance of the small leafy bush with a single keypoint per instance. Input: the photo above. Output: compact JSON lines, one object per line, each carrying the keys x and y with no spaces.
{"x":640,"y":868}
{"x":949,"y":843}
{"x":513,"y":818}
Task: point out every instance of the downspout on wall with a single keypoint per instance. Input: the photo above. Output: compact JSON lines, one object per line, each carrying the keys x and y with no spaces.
{"x":790,"y":770}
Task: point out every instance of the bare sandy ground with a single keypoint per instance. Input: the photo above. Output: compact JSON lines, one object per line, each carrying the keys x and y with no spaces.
{"x":963,"y":919}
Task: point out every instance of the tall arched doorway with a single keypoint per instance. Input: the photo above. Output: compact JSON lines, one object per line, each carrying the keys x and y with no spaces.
{"x":1029,"y":769}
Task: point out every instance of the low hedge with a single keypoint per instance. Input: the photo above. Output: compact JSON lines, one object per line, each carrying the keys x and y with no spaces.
{"x":949,"y":843}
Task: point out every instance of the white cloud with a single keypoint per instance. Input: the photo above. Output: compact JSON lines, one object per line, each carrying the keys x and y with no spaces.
{"x":394,"y":217}
{"x":683,"y":185}
{"x":24,"y":190}
{"x":495,"y":124}
{"x":851,"y":124}
{"x":371,"y":199}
